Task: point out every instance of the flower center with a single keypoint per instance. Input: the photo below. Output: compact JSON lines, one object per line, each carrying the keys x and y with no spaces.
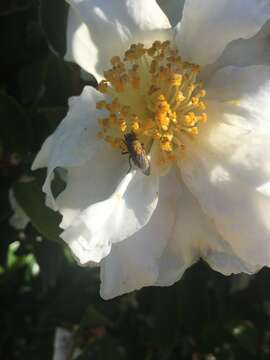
{"x":153,"y":94}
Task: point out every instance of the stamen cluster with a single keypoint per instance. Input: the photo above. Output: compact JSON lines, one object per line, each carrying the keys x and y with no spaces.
{"x":154,"y":94}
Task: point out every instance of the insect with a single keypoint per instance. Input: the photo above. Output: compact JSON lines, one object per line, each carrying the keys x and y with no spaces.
{"x":137,"y":153}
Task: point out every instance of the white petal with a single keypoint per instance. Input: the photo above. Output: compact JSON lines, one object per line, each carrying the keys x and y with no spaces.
{"x":173,"y":9}
{"x":194,"y":236}
{"x":42,"y":158}
{"x":80,"y":47}
{"x":238,"y":211}
{"x":134,"y":263}
{"x":243,"y":52}
{"x":208,"y":26}
{"x":228,"y":162}
{"x":74,"y":142}
{"x":239,"y":117}
{"x":98,"y":30}
{"x":90,"y":182}
{"x":177,"y":235}
{"x":62,"y":344}
{"x":19,"y":219}
{"x":124,"y":213}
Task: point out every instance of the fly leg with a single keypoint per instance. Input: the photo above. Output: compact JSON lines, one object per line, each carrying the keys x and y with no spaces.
{"x":130,"y":164}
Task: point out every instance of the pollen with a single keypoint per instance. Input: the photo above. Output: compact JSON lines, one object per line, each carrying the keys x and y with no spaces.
{"x":155,"y":94}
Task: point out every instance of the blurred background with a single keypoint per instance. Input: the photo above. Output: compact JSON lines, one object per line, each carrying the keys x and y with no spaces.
{"x":49,"y":307}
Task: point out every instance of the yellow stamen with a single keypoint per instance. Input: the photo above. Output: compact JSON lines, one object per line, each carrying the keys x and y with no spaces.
{"x":155,"y":95}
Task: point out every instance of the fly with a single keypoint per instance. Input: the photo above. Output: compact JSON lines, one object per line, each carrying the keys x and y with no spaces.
{"x":137,"y":153}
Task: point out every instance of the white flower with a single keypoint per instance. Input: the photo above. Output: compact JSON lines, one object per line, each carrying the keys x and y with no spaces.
{"x":63,"y":341}
{"x":208,"y":192}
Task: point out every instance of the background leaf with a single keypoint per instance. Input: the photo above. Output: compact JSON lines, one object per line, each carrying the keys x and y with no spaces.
{"x":30,"y":197}
{"x":53,"y":15}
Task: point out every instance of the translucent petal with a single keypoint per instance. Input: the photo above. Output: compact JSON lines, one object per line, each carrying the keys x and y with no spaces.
{"x":228,"y":165}
{"x":124,"y":213}
{"x":208,"y":27}
{"x":100,"y":29}
{"x":74,"y":142}
{"x":173,"y":9}
{"x":133,"y":263}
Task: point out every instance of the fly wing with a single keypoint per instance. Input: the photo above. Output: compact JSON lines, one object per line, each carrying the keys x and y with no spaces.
{"x":141,"y":161}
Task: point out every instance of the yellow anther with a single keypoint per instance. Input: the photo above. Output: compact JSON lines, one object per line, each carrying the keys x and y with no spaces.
{"x":115,"y":60}
{"x":122,"y":125}
{"x":163,"y":106}
{"x":166,"y":142}
{"x":101,"y":105}
{"x":201,"y":106}
{"x":195,"y":101}
{"x":174,"y":117}
{"x":179,"y":97}
{"x":166,"y":146}
{"x":135,"y":52}
{"x":176,"y":80}
{"x":163,"y":120}
{"x":167,"y":137}
{"x":190,"y":118}
{"x":135,"y":126}
{"x":203,"y":117}
{"x":157,"y":44}
{"x":161,"y":98}
{"x":202,"y":93}
{"x":119,"y":68}
{"x":103,"y":86}
{"x":165,"y":44}
{"x":156,"y":135}
{"x":193,"y":131}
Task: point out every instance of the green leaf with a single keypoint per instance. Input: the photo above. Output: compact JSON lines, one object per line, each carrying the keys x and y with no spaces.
{"x":13,"y":6}
{"x":14,"y":129}
{"x":30,"y":197}
{"x":31,"y":79}
{"x":50,"y":258}
{"x":53,"y":15}
{"x":93,"y":318}
{"x":62,"y":80}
